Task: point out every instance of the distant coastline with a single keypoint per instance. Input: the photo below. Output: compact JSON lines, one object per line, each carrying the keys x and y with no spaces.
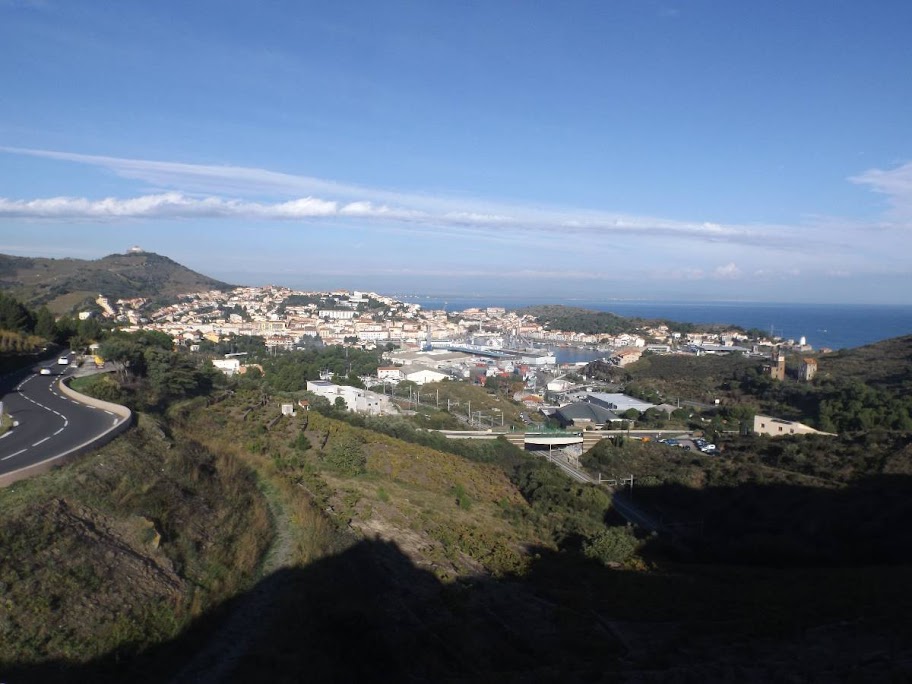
{"x":835,"y":326}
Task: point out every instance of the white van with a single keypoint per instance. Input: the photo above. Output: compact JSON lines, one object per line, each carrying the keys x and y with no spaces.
{"x":63,"y":361}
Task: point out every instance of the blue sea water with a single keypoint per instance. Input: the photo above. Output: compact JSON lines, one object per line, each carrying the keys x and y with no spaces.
{"x":836,"y":326}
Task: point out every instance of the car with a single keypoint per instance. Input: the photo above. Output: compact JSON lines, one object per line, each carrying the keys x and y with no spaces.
{"x":63,"y":361}
{"x":45,"y":371}
{"x":706,"y":448}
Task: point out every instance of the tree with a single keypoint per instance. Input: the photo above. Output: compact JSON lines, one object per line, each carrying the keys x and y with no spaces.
{"x":124,"y":351}
{"x":45,"y":325}
{"x":89,"y":329}
{"x":340,"y":404}
{"x":14,"y":316}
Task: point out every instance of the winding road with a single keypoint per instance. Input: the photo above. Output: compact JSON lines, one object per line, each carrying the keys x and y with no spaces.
{"x":50,"y":424}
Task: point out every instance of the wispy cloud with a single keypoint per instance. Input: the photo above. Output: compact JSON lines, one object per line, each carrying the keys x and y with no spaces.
{"x":176,"y":205}
{"x":896,"y":184}
{"x":201,"y":191}
{"x":223,"y":191}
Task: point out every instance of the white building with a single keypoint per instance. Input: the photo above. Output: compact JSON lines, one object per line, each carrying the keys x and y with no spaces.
{"x":356,"y":400}
{"x":390,"y":373}
{"x":228,"y":366}
{"x":777,"y":427}
{"x":337,"y":314}
{"x":559,"y":385}
{"x":619,"y":403}
{"x":420,"y":377}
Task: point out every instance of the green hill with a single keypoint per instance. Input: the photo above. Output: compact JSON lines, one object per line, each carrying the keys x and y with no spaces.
{"x":885,"y":365}
{"x":62,"y":284}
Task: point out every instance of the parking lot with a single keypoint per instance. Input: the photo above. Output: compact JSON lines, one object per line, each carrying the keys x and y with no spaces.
{"x":691,"y":444}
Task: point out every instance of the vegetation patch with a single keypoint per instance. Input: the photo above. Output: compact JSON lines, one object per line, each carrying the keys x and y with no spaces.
{"x":123,"y":548}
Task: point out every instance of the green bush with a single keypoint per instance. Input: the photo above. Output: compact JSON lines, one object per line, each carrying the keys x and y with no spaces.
{"x":346,"y":456}
{"x":611,"y":545}
{"x":462,"y":499}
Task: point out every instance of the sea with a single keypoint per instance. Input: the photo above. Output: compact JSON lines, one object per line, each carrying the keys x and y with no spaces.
{"x":834,"y":326}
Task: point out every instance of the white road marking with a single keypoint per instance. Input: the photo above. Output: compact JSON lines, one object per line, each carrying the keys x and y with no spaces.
{"x":40,"y":441}
{"x":59,"y":431}
{"x":6,"y":434}
{"x":5,"y":458}
{"x":108,"y":412}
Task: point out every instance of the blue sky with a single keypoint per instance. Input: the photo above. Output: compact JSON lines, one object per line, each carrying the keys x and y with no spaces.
{"x":622,"y":148}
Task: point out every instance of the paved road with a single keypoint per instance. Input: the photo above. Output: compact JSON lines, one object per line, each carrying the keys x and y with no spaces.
{"x":50,"y":424}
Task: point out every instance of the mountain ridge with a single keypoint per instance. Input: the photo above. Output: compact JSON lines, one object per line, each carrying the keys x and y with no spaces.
{"x":62,"y":284}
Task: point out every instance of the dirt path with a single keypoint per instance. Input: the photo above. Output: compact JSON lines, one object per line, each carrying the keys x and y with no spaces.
{"x":234,"y":637}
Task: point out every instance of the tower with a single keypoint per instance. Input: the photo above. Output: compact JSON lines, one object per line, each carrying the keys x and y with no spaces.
{"x":776,"y":368}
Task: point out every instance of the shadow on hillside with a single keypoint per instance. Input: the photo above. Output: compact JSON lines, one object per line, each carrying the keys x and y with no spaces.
{"x":866,"y":523}
{"x":369,"y":614}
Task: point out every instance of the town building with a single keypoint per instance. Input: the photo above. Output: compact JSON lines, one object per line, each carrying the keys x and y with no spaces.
{"x":393,"y":373}
{"x":808,"y":369}
{"x":356,"y":400}
{"x":228,"y":366}
{"x":582,"y":414}
{"x":425,"y":375}
{"x":618,"y":403}
{"x":777,"y":427}
{"x":776,"y":368}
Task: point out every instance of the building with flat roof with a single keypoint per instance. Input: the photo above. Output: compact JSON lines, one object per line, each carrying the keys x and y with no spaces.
{"x":618,"y":403}
{"x":356,"y":399}
{"x":583,"y":413}
{"x":778,"y":427}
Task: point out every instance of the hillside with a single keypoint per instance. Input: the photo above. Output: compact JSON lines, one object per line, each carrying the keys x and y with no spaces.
{"x":62,"y":284}
{"x":124,"y":548}
{"x":576,"y":319}
{"x":589,"y":322}
{"x":884,"y":365}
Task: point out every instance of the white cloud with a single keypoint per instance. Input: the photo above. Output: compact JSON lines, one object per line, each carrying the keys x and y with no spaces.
{"x":165,"y":205}
{"x":729,"y":271}
{"x":223,"y":186}
{"x":176,"y":205}
{"x":674,"y":249}
{"x":895,"y":183}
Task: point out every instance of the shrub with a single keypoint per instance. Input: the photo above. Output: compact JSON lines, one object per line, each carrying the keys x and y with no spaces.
{"x":462,"y":499}
{"x":611,"y":546}
{"x":346,"y":456}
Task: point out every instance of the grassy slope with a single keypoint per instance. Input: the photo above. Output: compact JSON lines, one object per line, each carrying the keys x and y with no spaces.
{"x":408,"y":494}
{"x":349,"y":611}
{"x":124,"y":547}
{"x":886,"y":364}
